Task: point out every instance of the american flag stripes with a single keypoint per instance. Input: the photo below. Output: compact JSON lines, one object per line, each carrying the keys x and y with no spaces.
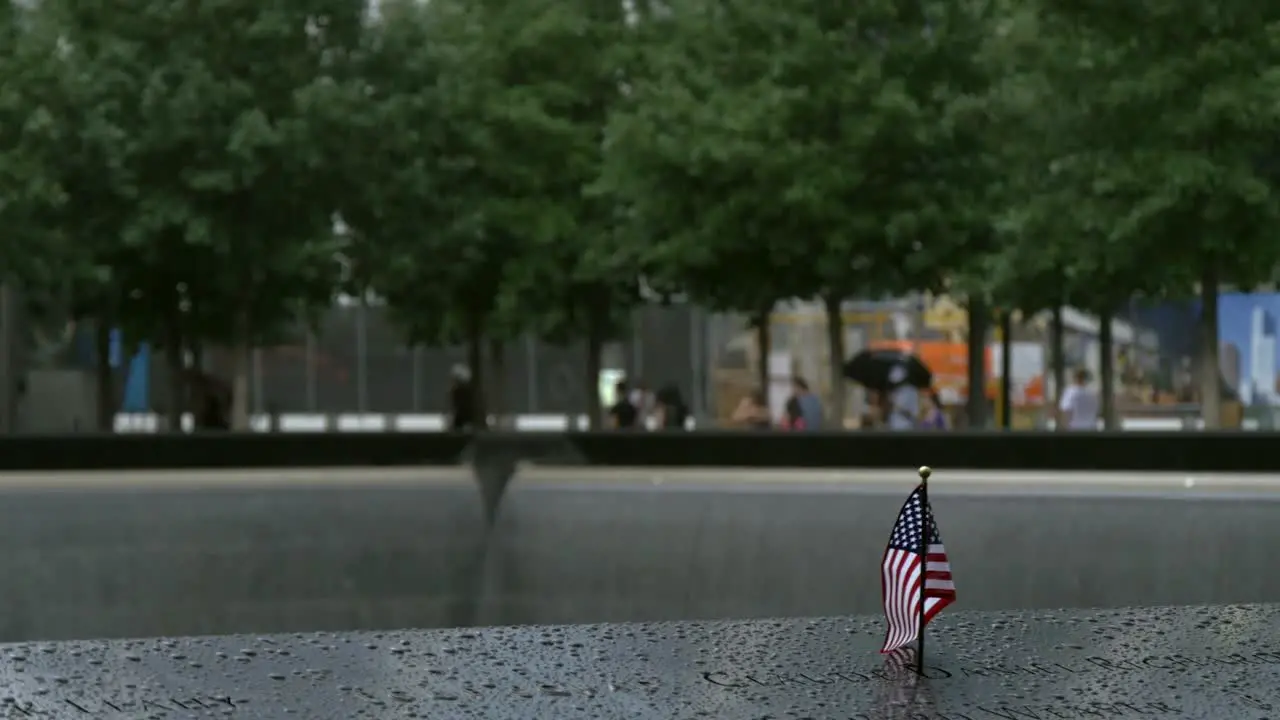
{"x":900,"y":662}
{"x":901,"y":574}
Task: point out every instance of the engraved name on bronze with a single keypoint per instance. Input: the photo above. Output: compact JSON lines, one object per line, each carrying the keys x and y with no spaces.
{"x":488,"y":691}
{"x":1075,"y":666}
{"x":1065,"y":711}
{"x":85,"y":707}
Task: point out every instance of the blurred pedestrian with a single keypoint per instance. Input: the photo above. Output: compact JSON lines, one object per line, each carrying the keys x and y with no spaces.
{"x":753,"y":412}
{"x":640,"y":396}
{"x":462,"y":400}
{"x":671,"y":412}
{"x":623,"y":415}
{"x":643,"y":401}
{"x":793,"y":415}
{"x":810,"y":405}
{"x":211,"y":401}
{"x":1079,"y":407}
{"x":876,"y":411}
{"x":935,"y":417}
{"x":904,"y":401}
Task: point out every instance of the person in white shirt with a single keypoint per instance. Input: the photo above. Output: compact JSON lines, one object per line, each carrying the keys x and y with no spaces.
{"x":1079,"y":407}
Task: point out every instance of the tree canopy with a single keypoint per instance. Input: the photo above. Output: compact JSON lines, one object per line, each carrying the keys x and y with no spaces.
{"x":214,"y":172}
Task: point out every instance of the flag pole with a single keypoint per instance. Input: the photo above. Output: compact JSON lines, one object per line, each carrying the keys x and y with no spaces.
{"x":923,"y":550}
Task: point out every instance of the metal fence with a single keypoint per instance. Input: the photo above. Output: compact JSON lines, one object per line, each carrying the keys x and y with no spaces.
{"x":358,"y":363}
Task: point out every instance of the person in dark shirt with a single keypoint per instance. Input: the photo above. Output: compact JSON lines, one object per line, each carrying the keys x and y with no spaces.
{"x":793,"y":415}
{"x":935,"y":415}
{"x":623,"y":415}
{"x":462,"y":410}
{"x":212,"y":400}
{"x":672,"y":412}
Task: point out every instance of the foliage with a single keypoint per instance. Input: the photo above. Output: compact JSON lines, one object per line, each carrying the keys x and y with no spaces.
{"x":195,"y":190}
{"x":1160,"y":126}
{"x":445,"y":201}
{"x":805,"y":150}
{"x":207,"y":172}
{"x":682,"y":152}
{"x":32,"y":142}
{"x":485,"y":130}
{"x":563,"y":63}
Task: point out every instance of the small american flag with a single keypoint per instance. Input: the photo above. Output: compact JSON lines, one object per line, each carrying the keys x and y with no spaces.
{"x":901,"y":574}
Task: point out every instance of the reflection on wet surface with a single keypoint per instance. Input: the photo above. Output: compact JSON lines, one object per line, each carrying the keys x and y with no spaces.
{"x":1199,"y":663}
{"x":362,"y":554}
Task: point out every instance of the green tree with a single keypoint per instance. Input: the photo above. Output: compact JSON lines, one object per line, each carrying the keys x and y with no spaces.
{"x":1175,"y":107}
{"x":563,"y":63}
{"x":823,"y":150}
{"x":68,"y":195}
{"x":229,"y":234}
{"x":1058,"y":241}
{"x":688,"y":150}
{"x":687,"y":238}
{"x":28,"y":141}
{"x":432,"y":193}
{"x":1032,"y":265}
{"x":474,"y":218}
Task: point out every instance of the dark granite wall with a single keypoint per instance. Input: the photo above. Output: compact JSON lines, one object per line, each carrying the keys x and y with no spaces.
{"x":140,"y":561}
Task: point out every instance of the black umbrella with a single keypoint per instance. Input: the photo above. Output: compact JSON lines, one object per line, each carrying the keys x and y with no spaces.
{"x":877,"y":369}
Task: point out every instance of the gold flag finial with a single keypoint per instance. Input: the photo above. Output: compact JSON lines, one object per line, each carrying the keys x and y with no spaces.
{"x":925,"y":472}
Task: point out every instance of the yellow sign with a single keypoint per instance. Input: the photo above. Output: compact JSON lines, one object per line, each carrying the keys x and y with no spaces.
{"x":946,"y":315}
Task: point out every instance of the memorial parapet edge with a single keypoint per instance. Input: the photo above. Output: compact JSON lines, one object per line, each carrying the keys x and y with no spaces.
{"x":1061,"y":451}
{"x":219,"y":450}
{"x":1195,"y":663}
{"x":1251,"y":452}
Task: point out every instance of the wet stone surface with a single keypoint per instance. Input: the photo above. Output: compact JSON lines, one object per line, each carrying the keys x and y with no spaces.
{"x":1210,"y":663}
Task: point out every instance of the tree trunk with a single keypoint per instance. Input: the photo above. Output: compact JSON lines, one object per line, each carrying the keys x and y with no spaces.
{"x":362,"y":353}
{"x":595,"y":350}
{"x":106,"y":391}
{"x":475,"y":363}
{"x":835,"y":360}
{"x":177,"y":380}
{"x":1006,"y":369}
{"x":1210,"y":385}
{"x":1057,"y":340}
{"x":498,"y":382}
{"x":976,"y":406}
{"x":1106,"y":369}
{"x":8,"y":383}
{"x":240,"y":374}
{"x":764,"y":346}
{"x":240,"y":386}
{"x":194,"y":346}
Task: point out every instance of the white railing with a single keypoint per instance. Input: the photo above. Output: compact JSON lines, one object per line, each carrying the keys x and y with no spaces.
{"x":420,"y":422}
{"x":348,"y":422}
